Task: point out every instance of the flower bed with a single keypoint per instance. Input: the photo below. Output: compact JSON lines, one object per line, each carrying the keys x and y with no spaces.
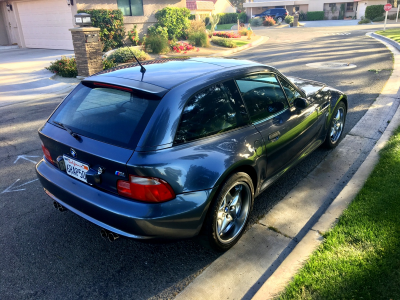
{"x":182,"y":47}
{"x":226,"y":34}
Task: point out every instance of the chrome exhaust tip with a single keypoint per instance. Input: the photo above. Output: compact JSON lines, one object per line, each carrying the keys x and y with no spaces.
{"x":112,"y":236}
{"x":104,"y":233}
{"x":59,"y":207}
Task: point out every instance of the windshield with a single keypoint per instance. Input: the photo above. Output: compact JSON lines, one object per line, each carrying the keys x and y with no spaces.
{"x":110,"y":115}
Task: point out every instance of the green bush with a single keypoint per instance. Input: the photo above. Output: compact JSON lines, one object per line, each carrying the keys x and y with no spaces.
{"x":111,"y":24}
{"x":124,"y":54}
{"x":302,"y":16}
{"x":158,"y":30}
{"x":65,"y":67}
{"x":315,"y":15}
{"x":223,"y":42}
{"x":156,"y":44}
{"x":364,"y":21}
{"x":198,"y":38}
{"x":242,"y":17}
{"x":175,"y":19}
{"x":228,"y":18}
{"x":379,"y":19}
{"x":342,"y":11}
{"x":289,"y":19}
{"x":108,"y":64}
{"x":256,"y":22}
{"x":133,"y":35}
{"x":374,"y":11}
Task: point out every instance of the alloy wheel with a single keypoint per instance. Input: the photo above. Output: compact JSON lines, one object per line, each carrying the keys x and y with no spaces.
{"x":337,"y":125}
{"x":233,"y":211}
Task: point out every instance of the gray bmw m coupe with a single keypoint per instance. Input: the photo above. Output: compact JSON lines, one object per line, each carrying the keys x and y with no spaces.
{"x":183,"y":148}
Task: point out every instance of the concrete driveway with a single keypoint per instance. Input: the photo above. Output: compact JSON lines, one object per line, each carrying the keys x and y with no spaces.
{"x":23,"y":76}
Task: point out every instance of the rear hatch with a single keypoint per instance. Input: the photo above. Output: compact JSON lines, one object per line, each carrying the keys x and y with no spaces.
{"x":95,"y":130}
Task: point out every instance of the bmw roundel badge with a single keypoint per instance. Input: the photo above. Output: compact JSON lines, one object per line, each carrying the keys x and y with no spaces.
{"x":73,"y":153}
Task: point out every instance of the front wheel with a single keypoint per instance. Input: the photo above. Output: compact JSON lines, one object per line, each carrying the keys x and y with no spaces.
{"x":229,"y":212}
{"x":335,"y":129}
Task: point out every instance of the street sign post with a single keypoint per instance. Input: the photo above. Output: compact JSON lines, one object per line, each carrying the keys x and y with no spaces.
{"x":397,"y":15}
{"x":387,"y":7}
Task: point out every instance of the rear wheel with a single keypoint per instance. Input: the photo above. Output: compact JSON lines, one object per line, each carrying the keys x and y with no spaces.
{"x":229,"y":212}
{"x":279,"y":19}
{"x":336,"y":126}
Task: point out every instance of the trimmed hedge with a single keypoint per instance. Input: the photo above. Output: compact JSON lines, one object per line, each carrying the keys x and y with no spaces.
{"x":111,"y":24}
{"x":374,"y":11}
{"x":315,"y":15}
{"x":228,"y":18}
{"x":223,"y":42}
{"x":379,"y":19}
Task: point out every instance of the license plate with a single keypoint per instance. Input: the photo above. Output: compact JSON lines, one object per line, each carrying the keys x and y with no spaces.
{"x":75,"y":168}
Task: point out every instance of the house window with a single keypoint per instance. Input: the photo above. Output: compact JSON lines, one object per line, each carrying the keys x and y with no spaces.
{"x":350,"y":7}
{"x":131,"y":7}
{"x":332,"y":5}
{"x":297,"y":8}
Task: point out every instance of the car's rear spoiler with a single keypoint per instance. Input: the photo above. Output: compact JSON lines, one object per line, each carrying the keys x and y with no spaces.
{"x":149,"y":89}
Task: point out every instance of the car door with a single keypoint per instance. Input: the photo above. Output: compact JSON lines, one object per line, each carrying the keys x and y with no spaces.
{"x":282,"y":126}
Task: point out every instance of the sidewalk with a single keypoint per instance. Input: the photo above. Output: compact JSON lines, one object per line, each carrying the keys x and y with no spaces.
{"x":271,"y":252}
{"x":23,"y":77}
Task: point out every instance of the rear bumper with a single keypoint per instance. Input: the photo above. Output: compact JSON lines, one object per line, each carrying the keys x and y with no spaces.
{"x":181,"y":217}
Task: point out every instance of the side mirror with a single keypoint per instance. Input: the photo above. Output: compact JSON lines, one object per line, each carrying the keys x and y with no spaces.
{"x":300,"y":103}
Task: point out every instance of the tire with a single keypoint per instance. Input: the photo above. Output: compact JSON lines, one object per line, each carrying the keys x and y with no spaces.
{"x":279,"y":19}
{"x":229,"y":212}
{"x":336,"y":126}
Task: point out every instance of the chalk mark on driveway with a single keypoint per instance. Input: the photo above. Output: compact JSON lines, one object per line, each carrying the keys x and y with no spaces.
{"x":13,"y":188}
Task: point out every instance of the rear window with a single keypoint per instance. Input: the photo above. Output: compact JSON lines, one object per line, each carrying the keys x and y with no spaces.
{"x":109,"y":115}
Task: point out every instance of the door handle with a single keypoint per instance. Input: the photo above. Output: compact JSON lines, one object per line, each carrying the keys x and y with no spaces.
{"x":274,"y":136}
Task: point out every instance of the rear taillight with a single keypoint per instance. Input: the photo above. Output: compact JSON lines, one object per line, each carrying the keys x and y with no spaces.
{"x":286,"y":13}
{"x":147,"y":189}
{"x":46,"y":153}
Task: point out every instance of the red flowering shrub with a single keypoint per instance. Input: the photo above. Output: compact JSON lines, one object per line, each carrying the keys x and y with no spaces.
{"x":226,"y":34}
{"x":181,"y":47}
{"x":269,"y":21}
{"x":65,"y":67}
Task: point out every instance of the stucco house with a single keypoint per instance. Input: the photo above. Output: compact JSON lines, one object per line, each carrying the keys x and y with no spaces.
{"x":330,"y":7}
{"x":202,"y":7}
{"x":45,"y":23}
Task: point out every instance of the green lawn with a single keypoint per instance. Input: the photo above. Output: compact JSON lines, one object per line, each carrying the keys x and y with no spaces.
{"x":393,"y":34}
{"x":222,"y":26}
{"x":240,"y":43}
{"x":360,"y":256}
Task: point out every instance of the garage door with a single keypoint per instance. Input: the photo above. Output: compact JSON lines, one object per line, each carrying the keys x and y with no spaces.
{"x":45,"y":24}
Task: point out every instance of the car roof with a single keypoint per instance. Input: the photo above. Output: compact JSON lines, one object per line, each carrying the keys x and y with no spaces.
{"x":168,"y":73}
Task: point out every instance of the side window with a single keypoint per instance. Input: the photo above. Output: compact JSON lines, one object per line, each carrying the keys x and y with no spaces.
{"x":290,"y":91}
{"x":216,"y":109}
{"x":262,"y":95}
{"x":131,"y":7}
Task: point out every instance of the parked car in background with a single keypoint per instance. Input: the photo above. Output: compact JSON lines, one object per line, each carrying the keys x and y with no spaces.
{"x":279,"y":14}
{"x":185,"y":149}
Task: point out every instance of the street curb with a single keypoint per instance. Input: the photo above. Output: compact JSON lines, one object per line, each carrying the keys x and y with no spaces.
{"x":282,"y":276}
{"x":389,"y":41}
{"x":239,"y":49}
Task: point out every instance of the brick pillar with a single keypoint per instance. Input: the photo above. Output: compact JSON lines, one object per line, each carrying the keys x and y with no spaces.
{"x":88,"y":54}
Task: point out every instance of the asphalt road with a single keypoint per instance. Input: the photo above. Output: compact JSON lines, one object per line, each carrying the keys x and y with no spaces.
{"x":46,"y":254}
